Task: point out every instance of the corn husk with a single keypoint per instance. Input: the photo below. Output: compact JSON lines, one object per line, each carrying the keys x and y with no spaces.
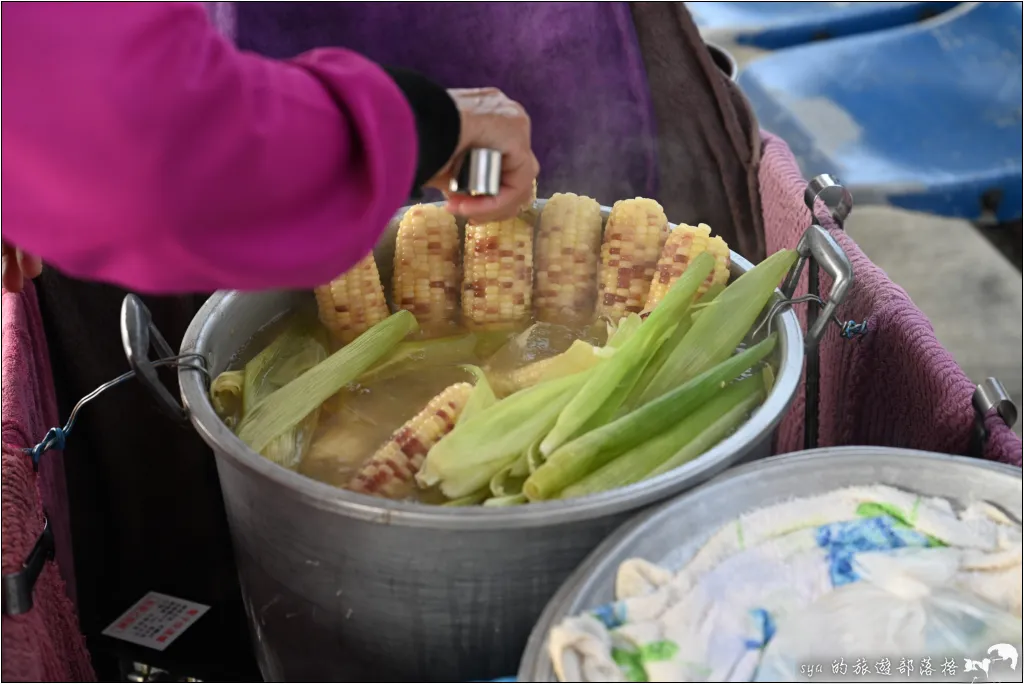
{"x":482,"y":397}
{"x":610,"y":383}
{"x":287,"y":406}
{"x":582,"y":456}
{"x":226,"y":396}
{"x":690,"y":438}
{"x":419,"y":353}
{"x":721,"y":325}
{"x":468,"y":457}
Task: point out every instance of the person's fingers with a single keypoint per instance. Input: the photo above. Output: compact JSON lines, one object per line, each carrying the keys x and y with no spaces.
{"x":12,"y":278}
{"x":31,"y":266}
{"x":516,"y":190}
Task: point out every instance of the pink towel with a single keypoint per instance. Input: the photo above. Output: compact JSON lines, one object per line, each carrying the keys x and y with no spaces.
{"x":896,"y":385}
{"x":45,"y":643}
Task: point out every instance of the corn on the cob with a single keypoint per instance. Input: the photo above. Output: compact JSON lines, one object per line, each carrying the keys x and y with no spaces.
{"x":633,"y":239}
{"x":568,"y":242}
{"x":391,"y":471}
{"x":353,"y":302}
{"x":426,"y":274}
{"x":682,"y":245}
{"x":498,"y":273}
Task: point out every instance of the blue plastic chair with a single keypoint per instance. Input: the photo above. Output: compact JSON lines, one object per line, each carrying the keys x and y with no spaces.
{"x":777,"y":25}
{"x":924,"y":117}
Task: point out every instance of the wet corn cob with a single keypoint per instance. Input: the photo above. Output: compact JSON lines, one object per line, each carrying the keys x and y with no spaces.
{"x":426,"y":274}
{"x":682,"y":245}
{"x":568,"y":242}
{"x":353,"y":302}
{"x":497,"y":283}
{"x":391,"y":471}
{"x":633,"y":238}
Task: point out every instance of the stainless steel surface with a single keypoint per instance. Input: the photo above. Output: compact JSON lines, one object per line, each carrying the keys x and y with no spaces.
{"x":672,"y":533}
{"x":836,"y":198}
{"x":478,"y":174}
{"x":817,"y":244}
{"x":340,"y":586}
{"x":992,"y":395}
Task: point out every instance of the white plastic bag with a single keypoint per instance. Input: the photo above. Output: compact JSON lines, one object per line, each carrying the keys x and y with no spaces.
{"x":906,"y":607}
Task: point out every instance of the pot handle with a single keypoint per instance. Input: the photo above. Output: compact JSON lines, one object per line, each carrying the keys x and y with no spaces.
{"x":139,"y":335}
{"x":818,"y":249}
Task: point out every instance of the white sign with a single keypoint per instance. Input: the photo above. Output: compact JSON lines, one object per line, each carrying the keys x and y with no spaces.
{"x":156,"y":620}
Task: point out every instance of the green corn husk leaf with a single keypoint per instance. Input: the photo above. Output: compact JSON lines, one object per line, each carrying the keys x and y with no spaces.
{"x":288,"y":356}
{"x":658,"y":360}
{"x":509,"y":480}
{"x":579,"y":357}
{"x":721,"y":428}
{"x":693,"y":436}
{"x":436,"y":352}
{"x":629,"y":359}
{"x":722,"y":325}
{"x":499,"y":501}
{"x":627,"y":327}
{"x":288,"y":406}
{"x":534,"y":459}
{"x":226,"y":396}
{"x":474,"y":499}
{"x":292,"y":353}
{"x":768,"y":375}
{"x":584,"y":455}
{"x":708,"y":297}
{"x":482,"y":397}
{"x":466,"y":459}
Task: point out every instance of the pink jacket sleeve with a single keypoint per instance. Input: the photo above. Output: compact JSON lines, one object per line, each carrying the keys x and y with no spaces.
{"x":141,"y":148}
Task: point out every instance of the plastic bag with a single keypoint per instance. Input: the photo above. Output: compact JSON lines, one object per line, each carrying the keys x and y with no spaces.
{"x":906,"y":607}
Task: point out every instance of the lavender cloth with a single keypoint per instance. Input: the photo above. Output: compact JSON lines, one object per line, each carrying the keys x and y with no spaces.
{"x":595,"y":125}
{"x":896,"y":386}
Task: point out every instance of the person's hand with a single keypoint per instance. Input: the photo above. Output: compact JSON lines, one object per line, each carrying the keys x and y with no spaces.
{"x":17,"y":266}
{"x":492,"y":120}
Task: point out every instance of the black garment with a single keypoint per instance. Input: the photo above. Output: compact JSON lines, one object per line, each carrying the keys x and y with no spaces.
{"x":438,"y":123}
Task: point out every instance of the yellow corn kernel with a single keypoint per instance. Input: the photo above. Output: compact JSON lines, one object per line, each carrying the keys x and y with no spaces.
{"x":683,"y":244}
{"x":353,"y":302}
{"x":497,"y":279}
{"x":568,"y":242}
{"x":633,"y":238}
{"x":426,"y":274}
{"x":391,"y":471}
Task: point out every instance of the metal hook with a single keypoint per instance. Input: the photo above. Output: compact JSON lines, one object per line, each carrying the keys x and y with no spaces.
{"x":56,"y":437}
{"x":836,"y":198}
{"x":847,"y":329}
{"x":18,"y":586}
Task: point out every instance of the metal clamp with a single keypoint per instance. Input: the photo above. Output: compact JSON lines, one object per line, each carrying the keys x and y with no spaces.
{"x":821,"y":250}
{"x":817,"y":248}
{"x":988,"y":396}
{"x":18,"y":586}
{"x":478,"y":174}
{"x":139,"y":335}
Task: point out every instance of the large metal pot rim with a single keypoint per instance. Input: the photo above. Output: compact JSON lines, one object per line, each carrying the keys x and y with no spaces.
{"x":725,"y":454}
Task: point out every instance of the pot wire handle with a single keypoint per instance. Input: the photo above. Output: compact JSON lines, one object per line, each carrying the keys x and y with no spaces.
{"x":139,"y":336}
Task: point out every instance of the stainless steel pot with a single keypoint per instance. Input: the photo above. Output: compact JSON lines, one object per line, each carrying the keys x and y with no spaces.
{"x":343,"y":587}
{"x":672,"y":533}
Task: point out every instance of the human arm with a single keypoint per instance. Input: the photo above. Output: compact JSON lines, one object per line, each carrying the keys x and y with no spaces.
{"x":141,"y":148}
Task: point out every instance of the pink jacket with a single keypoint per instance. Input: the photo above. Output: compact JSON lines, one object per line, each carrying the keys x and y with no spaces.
{"x":142,"y":149}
